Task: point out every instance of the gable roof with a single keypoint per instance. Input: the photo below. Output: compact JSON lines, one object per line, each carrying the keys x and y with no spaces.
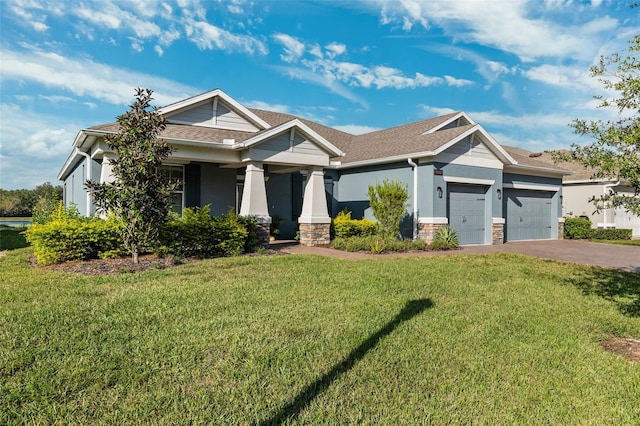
{"x":297,"y":124}
{"x":425,"y":138}
{"x":216,"y":93}
{"x":419,"y":139}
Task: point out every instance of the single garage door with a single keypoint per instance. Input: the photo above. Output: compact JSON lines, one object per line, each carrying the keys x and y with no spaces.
{"x":528,"y":215}
{"x":466,"y":212}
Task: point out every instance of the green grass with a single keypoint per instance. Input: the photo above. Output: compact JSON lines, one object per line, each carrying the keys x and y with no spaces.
{"x":620,"y":242}
{"x":12,"y":238}
{"x":494,"y":339}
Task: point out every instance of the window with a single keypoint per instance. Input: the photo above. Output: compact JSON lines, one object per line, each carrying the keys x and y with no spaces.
{"x":175,"y":174}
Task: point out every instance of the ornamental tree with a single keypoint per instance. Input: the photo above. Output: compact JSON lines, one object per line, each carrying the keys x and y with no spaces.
{"x":615,"y":151}
{"x":139,"y":195}
{"x":388,"y":201}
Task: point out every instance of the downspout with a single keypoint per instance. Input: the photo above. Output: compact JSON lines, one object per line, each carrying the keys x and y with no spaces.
{"x":88,"y":177}
{"x":604,"y":193}
{"x":415,"y":197}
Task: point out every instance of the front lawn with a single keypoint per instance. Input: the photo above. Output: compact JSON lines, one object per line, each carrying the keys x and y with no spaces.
{"x":493,"y":339}
{"x":12,"y":238}
{"x":620,"y":242}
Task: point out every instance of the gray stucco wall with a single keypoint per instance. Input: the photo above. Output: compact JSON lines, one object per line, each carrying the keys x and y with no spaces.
{"x":455,"y":170}
{"x":353,"y":184}
{"x":217,"y":187}
{"x":73,"y":186}
{"x":351,"y":190}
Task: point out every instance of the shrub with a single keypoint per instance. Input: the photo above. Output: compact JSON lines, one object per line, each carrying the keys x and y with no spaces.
{"x":199,"y":234}
{"x":62,"y":240}
{"x":375,"y":244}
{"x":418,"y":245}
{"x":251,"y":243}
{"x":388,"y":201}
{"x":611,"y":234}
{"x":345,"y":227}
{"x":577,"y":228}
{"x":446,"y":238}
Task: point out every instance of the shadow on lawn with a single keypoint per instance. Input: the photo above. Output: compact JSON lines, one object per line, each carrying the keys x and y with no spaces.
{"x":620,"y":287}
{"x":308,"y":394}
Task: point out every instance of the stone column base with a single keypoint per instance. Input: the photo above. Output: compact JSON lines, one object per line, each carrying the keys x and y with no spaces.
{"x":427,"y":231}
{"x":263,"y":230}
{"x":561,"y":230}
{"x":497,"y":233}
{"x":315,"y":234}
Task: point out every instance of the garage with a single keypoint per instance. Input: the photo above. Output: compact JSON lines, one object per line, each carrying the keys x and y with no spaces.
{"x":466,"y":212}
{"x":528,"y":215}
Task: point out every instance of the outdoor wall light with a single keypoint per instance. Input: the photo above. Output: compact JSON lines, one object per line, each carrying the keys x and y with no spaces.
{"x":439,"y":191}
{"x":499,"y":194}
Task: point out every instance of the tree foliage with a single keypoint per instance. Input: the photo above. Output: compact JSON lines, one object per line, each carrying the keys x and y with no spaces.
{"x":615,"y":152}
{"x":388,"y":200}
{"x":22,"y":202}
{"x":139,"y":195}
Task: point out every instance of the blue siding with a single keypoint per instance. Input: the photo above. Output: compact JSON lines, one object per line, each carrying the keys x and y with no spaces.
{"x":75,"y":192}
{"x":217,"y":187}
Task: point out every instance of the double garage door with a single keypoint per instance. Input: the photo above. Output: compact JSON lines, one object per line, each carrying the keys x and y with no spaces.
{"x":528,"y":215}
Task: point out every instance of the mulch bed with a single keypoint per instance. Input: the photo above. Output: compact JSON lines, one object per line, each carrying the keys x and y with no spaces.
{"x":115,"y":266}
{"x":125,"y":264}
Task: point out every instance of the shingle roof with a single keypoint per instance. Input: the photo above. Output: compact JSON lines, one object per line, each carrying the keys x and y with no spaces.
{"x":187,"y":132}
{"x":400,"y":140}
{"x":545,"y":159}
{"x":336,"y":137}
{"x":403,"y":140}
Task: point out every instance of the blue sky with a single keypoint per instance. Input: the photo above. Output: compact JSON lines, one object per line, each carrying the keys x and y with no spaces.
{"x":517,"y":67}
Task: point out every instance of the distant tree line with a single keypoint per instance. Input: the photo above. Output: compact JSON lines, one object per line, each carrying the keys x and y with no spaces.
{"x":22,"y":202}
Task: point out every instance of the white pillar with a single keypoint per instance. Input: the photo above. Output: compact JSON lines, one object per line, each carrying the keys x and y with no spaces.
{"x":314,"y":204}
{"x":106,"y":172}
{"x":254,"y":195}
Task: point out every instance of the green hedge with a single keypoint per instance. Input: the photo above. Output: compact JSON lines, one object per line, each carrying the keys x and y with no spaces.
{"x":74,"y":239}
{"x":67,"y":237}
{"x":577,"y":228}
{"x":611,"y":234}
{"x":199,"y":234}
{"x":345,"y":227}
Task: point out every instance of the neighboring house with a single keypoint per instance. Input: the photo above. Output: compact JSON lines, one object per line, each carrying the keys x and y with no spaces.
{"x":580,"y":186}
{"x":268,"y":164}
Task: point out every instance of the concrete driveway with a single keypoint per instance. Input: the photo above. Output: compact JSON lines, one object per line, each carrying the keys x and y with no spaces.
{"x":615,"y":256}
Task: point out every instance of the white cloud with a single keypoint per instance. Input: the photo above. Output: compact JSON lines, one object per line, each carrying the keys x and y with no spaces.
{"x":326,"y":70}
{"x":143,"y":21}
{"x":267,"y":106}
{"x":356,"y":129}
{"x":33,"y":147}
{"x":506,"y":25}
{"x":208,"y":37}
{"x":335,"y":49}
{"x":293,"y":48}
{"x":563,"y":76}
{"x":85,"y":78}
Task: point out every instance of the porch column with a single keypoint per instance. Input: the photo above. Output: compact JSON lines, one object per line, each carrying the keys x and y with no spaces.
{"x":106,"y":171}
{"x":254,"y":200}
{"x":314,"y":220}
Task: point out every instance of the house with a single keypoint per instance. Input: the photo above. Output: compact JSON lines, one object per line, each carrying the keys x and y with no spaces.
{"x":581,"y":185}
{"x":277,"y":166}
